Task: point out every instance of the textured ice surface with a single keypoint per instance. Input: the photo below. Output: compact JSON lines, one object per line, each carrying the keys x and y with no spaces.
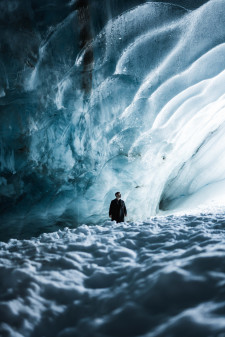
{"x":160,"y":278}
{"x":127,"y":96}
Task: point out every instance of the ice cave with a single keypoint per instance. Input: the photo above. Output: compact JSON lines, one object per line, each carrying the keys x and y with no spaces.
{"x":99,"y":96}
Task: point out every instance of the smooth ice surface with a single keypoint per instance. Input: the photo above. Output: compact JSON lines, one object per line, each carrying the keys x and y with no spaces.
{"x":160,"y":278}
{"x":127,"y":96}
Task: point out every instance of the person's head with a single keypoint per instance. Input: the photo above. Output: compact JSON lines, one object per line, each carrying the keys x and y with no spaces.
{"x":118,"y":195}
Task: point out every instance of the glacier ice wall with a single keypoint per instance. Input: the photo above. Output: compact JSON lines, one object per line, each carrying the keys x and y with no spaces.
{"x":103,"y":97}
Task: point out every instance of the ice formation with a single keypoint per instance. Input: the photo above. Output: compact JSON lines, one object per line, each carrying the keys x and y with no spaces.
{"x":97,"y":99}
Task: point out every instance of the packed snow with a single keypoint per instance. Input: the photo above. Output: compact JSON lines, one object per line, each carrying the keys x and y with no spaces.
{"x":158,"y":278}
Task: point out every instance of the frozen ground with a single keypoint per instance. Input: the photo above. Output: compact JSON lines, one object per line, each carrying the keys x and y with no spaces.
{"x":160,"y":278}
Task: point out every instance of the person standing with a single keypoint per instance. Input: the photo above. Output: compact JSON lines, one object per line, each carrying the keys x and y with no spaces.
{"x":117,"y":209}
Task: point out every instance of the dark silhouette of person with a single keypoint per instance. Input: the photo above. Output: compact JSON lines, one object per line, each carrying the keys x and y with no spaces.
{"x":117,"y":209}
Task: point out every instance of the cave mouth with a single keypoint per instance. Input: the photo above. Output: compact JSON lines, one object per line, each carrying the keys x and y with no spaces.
{"x":164,"y":204}
{"x":208,"y":198}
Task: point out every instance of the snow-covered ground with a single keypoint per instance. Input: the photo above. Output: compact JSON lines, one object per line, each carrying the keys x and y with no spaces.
{"x":164,"y":277}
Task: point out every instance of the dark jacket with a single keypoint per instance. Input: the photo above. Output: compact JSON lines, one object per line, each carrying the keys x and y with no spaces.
{"x":118,"y":210}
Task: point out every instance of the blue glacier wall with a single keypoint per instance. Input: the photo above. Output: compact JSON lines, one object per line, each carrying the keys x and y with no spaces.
{"x":98,"y":96}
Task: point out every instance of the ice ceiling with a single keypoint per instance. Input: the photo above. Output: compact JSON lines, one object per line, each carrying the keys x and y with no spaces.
{"x":100,"y":96}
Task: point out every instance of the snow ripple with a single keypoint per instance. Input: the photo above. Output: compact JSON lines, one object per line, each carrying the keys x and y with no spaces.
{"x":162,"y":277}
